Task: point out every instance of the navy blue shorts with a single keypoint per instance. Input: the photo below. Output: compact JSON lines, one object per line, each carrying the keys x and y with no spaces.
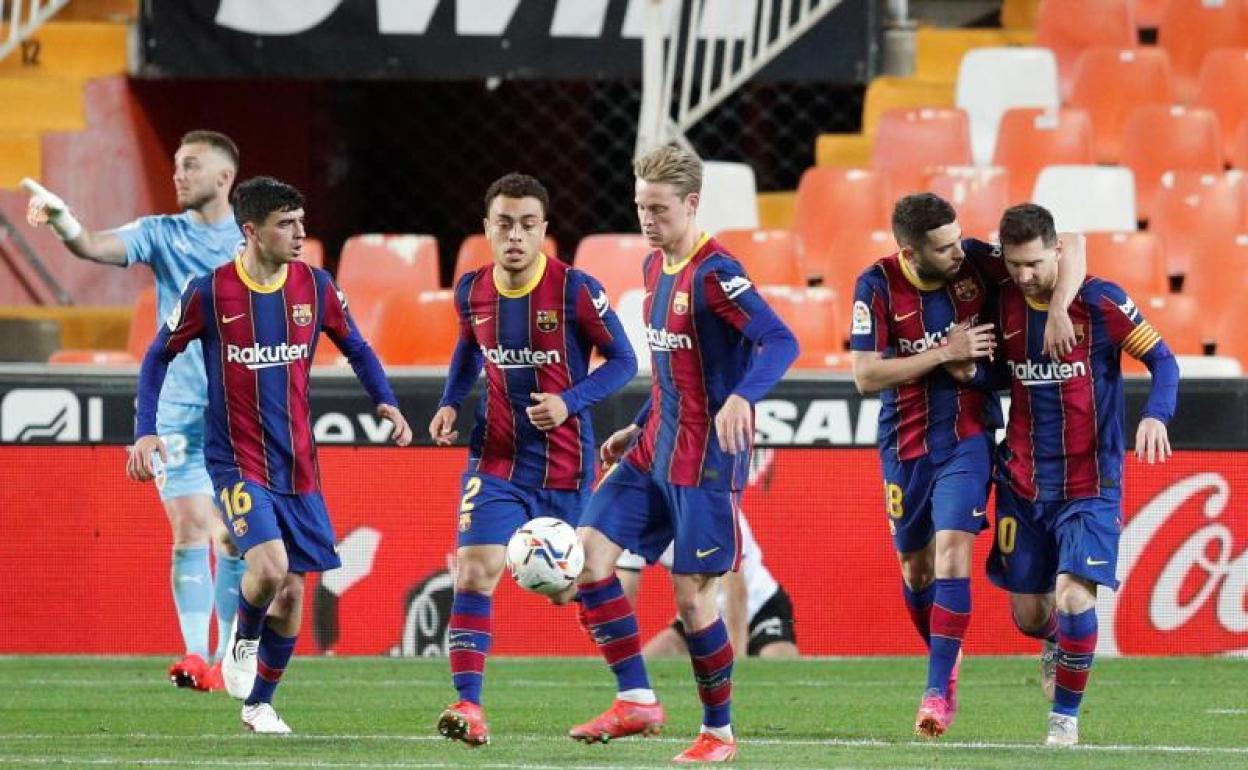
{"x":492,"y":509}
{"x":1036,"y":541}
{"x":638,"y":512}
{"x":922,"y":497}
{"x":254,"y":514}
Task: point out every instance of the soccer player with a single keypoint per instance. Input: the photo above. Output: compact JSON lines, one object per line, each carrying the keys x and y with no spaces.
{"x":1060,"y":469}
{"x":716,"y":349}
{"x":178,"y":247}
{"x":755,"y":608}
{"x":258,"y":319}
{"x":532,"y":322}
{"x":915,"y":312}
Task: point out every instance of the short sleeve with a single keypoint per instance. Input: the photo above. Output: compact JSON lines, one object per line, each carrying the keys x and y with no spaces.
{"x":140,"y":238}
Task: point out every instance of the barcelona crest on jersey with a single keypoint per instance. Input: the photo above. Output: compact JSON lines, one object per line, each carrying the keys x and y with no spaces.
{"x":547,"y":320}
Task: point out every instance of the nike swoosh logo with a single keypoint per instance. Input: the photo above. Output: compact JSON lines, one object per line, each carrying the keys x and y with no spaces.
{"x":900,"y":318}
{"x":977,"y":514}
{"x":229,"y":319}
{"x":1013,"y":334}
{"x":478,"y":320}
{"x":1095,"y":563}
{"x":703,"y":554}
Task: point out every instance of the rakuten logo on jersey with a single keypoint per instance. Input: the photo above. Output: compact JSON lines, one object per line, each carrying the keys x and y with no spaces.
{"x":520,"y":358}
{"x":663,"y":341}
{"x":1030,"y":373}
{"x":931,"y":339}
{"x":258,"y":356}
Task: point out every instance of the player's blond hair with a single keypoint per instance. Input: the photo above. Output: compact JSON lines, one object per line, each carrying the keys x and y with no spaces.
{"x":671,"y":164}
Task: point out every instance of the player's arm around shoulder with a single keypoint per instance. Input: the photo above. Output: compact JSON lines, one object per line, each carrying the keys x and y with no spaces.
{"x":46,"y":207}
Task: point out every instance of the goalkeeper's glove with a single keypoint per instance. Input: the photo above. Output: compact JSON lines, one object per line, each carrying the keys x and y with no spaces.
{"x":58,"y":214}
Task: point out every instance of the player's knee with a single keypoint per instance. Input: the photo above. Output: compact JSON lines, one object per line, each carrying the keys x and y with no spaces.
{"x":918,"y":571}
{"x":600,"y":555}
{"x":476,"y":576}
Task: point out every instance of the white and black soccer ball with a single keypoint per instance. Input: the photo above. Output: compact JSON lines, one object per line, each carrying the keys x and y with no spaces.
{"x":545,"y":555}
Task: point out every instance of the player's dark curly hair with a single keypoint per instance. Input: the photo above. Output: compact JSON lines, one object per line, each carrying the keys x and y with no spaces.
{"x":260,"y":196}
{"x":517,"y":185}
{"x":915,"y":215}
{"x":1026,"y":222}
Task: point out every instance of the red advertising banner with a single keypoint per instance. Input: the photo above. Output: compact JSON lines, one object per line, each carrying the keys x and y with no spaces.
{"x":86,"y":559}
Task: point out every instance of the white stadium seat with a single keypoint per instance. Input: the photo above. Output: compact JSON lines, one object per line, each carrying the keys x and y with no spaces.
{"x":993,"y":80}
{"x":1088,"y":198}
{"x":729,"y":197}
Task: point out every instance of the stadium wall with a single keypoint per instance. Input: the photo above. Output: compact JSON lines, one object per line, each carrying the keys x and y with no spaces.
{"x":82,"y":539}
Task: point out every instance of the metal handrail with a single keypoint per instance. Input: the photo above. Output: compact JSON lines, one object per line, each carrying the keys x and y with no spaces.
{"x":21,"y":26}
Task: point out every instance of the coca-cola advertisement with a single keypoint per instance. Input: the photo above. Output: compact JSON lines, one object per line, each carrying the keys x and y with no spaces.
{"x":86,"y":555}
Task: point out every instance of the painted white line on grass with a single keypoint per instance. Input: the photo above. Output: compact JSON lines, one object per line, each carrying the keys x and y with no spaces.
{"x":1226,"y":711}
{"x":746,"y":741}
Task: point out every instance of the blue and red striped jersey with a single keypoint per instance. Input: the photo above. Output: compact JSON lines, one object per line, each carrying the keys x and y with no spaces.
{"x":1064,"y":439}
{"x":536,"y":339}
{"x":711,"y":335}
{"x":898,"y":314}
{"x":258,"y":344}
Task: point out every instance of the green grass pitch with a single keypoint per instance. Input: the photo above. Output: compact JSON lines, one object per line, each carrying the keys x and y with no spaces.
{"x":1174,"y":713}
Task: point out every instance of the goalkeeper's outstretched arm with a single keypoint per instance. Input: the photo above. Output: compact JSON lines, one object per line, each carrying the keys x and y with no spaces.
{"x":46,"y":207}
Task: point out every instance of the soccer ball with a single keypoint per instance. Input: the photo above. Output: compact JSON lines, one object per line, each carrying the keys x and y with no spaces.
{"x":545,"y":555}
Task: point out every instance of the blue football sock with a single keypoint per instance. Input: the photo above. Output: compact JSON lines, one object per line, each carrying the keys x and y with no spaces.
{"x":271,"y":659}
{"x":191,"y":580}
{"x":951,"y":614}
{"x":230,"y":571}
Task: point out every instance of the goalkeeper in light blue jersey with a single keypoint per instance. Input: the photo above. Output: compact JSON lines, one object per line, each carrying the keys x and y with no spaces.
{"x":177,"y":248}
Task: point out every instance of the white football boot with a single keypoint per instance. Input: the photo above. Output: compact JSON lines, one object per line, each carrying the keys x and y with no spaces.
{"x":261,"y":718}
{"x":1063,"y":730}
{"x":238,"y":667}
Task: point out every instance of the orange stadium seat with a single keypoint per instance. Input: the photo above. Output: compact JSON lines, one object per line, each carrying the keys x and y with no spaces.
{"x":1239,"y":149}
{"x":1218,"y":280}
{"x":373,"y":265}
{"x":1158,"y":139}
{"x":614,"y":259}
{"x":142,"y":332}
{"x":475,"y":252}
{"x":417,"y":329}
{"x":1031,"y":138}
{"x":1148,"y":13}
{"x":770,"y":257}
{"x":851,"y":252}
{"x":1134,"y":260}
{"x":1110,"y":83}
{"x":1176,"y":318}
{"x":1231,"y":340}
{"x":911,"y":144}
{"x":1223,"y":88}
{"x":1190,"y":207}
{"x":886,"y":93}
{"x":814,"y":316}
{"x":313,"y":252}
{"x":978,"y":193}
{"x":1067,"y":27}
{"x":831,"y":201}
{"x":1188,"y":30}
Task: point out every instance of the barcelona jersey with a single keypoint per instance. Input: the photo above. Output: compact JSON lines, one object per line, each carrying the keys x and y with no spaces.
{"x":898,"y":314}
{"x":536,"y":339}
{"x":258,"y":342}
{"x":711,"y":335}
{"x":1065,"y":439}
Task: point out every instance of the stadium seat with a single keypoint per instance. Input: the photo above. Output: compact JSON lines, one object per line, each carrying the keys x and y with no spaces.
{"x":1230,"y":336}
{"x":911,"y":144}
{"x":1110,"y":83}
{"x":1217,"y":280}
{"x":417,"y":328}
{"x":138,"y":339}
{"x":1020,"y":14}
{"x":939,"y":50}
{"x":992,"y":80}
{"x":1189,"y":29}
{"x":1067,"y":27}
{"x":1157,"y":139}
{"x":814,"y":317}
{"x":1191,"y":207}
{"x":978,"y":193}
{"x":1239,"y":148}
{"x":1088,"y":198}
{"x":313,"y":252}
{"x":769,"y":256}
{"x":729,"y":196}
{"x":1223,"y":88}
{"x":887,"y":93}
{"x":1208,"y":367}
{"x":327,"y":353}
{"x":474,"y":252}
{"x":1135,"y":260}
{"x":614,"y":259}
{"x":629,"y":310}
{"x":1148,"y":13}
{"x":1031,"y":138}
{"x":831,"y":201}
{"x":373,"y":265}
{"x":851,"y":252}
{"x":1177,"y":319}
